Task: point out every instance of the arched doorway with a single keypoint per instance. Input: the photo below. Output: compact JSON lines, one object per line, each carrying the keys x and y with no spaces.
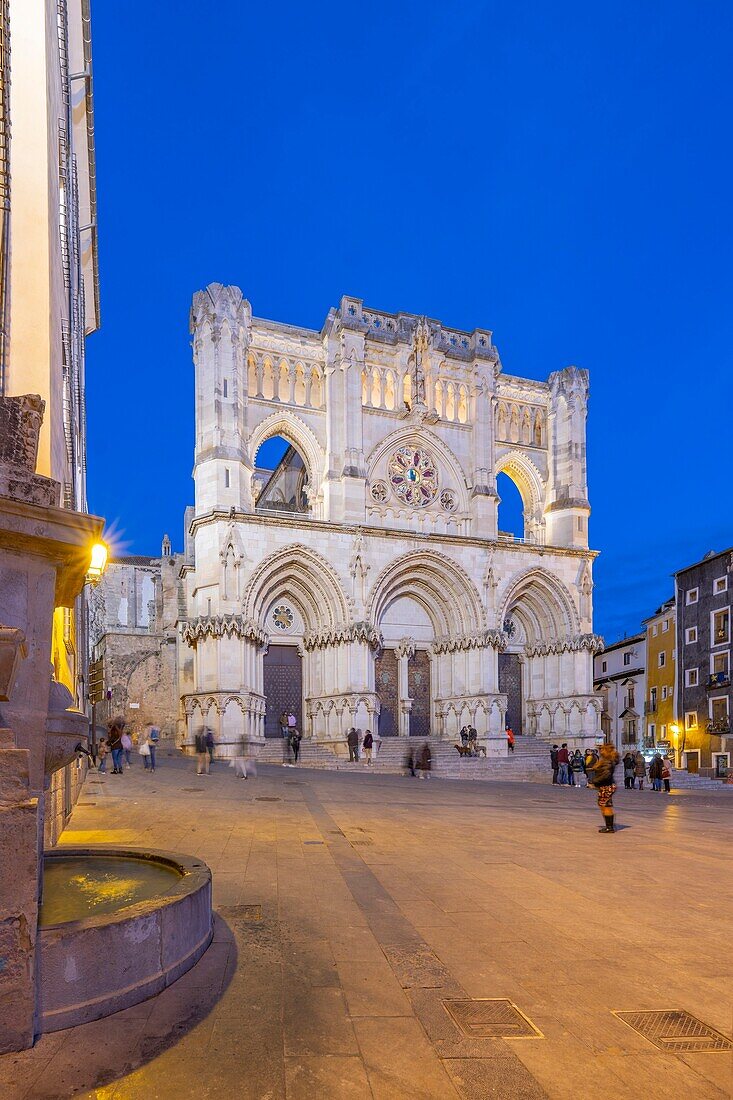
{"x":282,"y":685}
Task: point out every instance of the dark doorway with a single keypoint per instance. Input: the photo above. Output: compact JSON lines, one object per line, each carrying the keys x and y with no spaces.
{"x":418,"y":688}
{"x":510,"y":684}
{"x":386,"y":687}
{"x":283,"y":686}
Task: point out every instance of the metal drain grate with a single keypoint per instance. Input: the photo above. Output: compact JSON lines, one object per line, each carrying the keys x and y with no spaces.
{"x":194,"y":790}
{"x":676,"y":1032}
{"x":313,"y":842}
{"x":491,"y":1019}
{"x":267,"y":798}
{"x":361,"y":843}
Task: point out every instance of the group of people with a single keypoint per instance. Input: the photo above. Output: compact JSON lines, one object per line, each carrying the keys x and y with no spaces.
{"x":635,"y":770}
{"x":204,"y":744}
{"x":119,"y":743}
{"x":469,"y":745}
{"x":359,"y":744}
{"x":570,"y":767}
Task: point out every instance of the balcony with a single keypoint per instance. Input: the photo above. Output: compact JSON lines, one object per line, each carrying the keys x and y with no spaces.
{"x":718,"y":680}
{"x":719,"y":727}
{"x":650,"y":707}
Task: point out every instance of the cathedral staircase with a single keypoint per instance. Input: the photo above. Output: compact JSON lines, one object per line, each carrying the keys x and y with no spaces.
{"x":530,"y":761}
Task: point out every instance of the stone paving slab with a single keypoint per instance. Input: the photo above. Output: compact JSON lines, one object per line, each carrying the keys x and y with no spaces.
{"x":379,"y":898}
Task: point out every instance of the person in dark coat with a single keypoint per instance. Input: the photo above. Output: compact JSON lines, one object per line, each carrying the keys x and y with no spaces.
{"x":114,"y":743}
{"x":656,"y":769}
{"x":629,"y":770}
{"x":639,"y":770}
{"x":295,"y":739}
{"x":424,"y":761}
{"x":554,"y":763}
{"x":601,"y":777}
{"x":368,"y":745}
{"x":352,"y":740}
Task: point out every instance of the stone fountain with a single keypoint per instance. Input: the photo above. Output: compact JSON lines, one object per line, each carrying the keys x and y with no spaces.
{"x":51,"y":978}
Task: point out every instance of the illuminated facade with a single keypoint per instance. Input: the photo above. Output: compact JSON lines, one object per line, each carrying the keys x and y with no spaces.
{"x":620,"y":678}
{"x":361,"y":578}
{"x":661,"y":666}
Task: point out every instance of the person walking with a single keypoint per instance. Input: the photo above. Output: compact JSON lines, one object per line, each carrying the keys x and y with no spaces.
{"x":639,"y":769}
{"x":629,"y":763}
{"x":143,"y":748}
{"x":601,"y":777}
{"x":202,"y":754}
{"x":510,"y":738}
{"x":563,"y":760}
{"x":368,"y":745}
{"x":577,"y":767}
{"x":424,"y":762}
{"x":655,"y":772}
{"x":210,"y":746}
{"x":666,"y":773}
{"x":114,"y":740}
{"x":126,"y":742}
{"x":352,"y":740}
{"x":295,"y":739}
{"x":553,"y":763}
{"x":153,"y":739}
{"x":102,"y":751}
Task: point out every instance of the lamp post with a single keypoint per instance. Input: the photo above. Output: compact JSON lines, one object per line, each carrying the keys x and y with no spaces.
{"x":98,"y":557}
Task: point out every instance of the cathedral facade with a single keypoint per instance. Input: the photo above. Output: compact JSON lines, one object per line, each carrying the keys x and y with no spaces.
{"x":359,"y":577}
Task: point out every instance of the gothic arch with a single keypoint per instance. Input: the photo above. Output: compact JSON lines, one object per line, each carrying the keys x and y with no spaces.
{"x":542,"y":603}
{"x":304,"y":576}
{"x":527,"y":478}
{"x":296,"y":431}
{"x":438,"y":584}
{"x":412,"y":436}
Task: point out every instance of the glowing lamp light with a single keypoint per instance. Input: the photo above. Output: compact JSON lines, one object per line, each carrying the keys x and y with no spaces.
{"x":675,"y":729}
{"x":97,"y":562}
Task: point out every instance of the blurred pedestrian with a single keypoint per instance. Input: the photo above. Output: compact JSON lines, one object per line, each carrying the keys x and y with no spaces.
{"x":352,"y":740}
{"x":202,"y":753}
{"x":102,"y":752}
{"x":210,"y":745}
{"x":153,"y":738}
{"x":601,"y":777}
{"x":553,"y":763}
{"x":368,"y":746}
{"x":295,"y":739}
{"x":424,"y":762}
{"x":639,"y":769}
{"x":666,"y":773}
{"x":126,"y":742}
{"x":510,"y":738}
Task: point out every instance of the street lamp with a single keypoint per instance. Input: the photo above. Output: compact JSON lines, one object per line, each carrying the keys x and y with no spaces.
{"x":97,"y":562}
{"x":675,"y":731}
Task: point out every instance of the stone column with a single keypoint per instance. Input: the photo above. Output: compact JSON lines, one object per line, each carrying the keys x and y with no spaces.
{"x":404,"y":651}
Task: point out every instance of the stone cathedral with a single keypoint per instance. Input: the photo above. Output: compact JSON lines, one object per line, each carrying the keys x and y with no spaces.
{"x":361,"y":578}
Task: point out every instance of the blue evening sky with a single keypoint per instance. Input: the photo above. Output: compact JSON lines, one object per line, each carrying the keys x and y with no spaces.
{"x":557,"y":172}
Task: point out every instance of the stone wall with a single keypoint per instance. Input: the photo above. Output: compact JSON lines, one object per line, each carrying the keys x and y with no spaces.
{"x":60,"y":799}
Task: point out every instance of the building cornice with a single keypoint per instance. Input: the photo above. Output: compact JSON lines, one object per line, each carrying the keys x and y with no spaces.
{"x":292,"y":521}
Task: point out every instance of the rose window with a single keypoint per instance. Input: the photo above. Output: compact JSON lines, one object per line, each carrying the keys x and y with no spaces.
{"x":282,"y":617}
{"x":413,"y":476}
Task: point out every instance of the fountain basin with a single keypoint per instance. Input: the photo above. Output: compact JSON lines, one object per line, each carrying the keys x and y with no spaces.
{"x":126,"y":924}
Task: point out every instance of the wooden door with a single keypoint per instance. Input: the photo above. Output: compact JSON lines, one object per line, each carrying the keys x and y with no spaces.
{"x":283,"y":686}
{"x":418,"y":688}
{"x":386,"y":686}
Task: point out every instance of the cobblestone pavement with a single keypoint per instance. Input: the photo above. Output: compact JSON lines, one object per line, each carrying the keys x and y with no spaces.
{"x":383,"y":897}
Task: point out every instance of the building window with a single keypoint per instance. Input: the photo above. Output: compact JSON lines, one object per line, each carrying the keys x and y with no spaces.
{"x":691,"y":595}
{"x":226,"y":477}
{"x":720,"y":631}
{"x":580,"y":523}
{"x":665,"y":624}
{"x":662,"y":659}
{"x":651,"y":729}
{"x":665,"y":690}
{"x":653,"y":699}
{"x":225,"y":388}
{"x":691,"y":720}
{"x":691,"y":677}
{"x":654,"y":630}
{"x":663,"y":729}
{"x":720,"y":584}
{"x":690,"y":635}
{"x":627,"y":658}
{"x":604,"y":666}
{"x":719,"y":711}
{"x":631,"y":697}
{"x":719,"y":664}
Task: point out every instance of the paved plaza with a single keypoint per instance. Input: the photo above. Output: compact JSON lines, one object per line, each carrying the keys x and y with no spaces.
{"x":349,"y":908}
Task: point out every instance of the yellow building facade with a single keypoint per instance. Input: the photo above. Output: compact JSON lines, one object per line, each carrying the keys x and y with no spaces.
{"x":659,"y":706}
